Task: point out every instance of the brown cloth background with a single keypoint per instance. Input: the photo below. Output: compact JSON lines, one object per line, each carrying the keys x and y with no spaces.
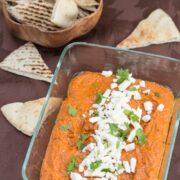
{"x":119,"y":18}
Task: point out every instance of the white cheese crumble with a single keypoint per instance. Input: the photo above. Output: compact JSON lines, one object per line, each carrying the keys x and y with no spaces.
{"x":137,"y":96}
{"x":76,"y":176}
{"x":142,"y":84}
{"x":114,"y":85}
{"x":148,"y":106}
{"x":129,"y":147}
{"x":107,"y":73}
{"x":83,"y":115}
{"x":160,"y":107}
{"x":147,"y":91}
{"x":133,"y":162}
{"x":127,"y":166}
{"x":146,"y":118}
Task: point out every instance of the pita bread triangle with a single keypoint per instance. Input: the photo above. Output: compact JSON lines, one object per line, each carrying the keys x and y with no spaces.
{"x":157,"y":28}
{"x":24,"y":116}
{"x":26,"y":61}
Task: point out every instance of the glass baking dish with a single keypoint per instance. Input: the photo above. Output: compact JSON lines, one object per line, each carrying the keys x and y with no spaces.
{"x":78,"y":57}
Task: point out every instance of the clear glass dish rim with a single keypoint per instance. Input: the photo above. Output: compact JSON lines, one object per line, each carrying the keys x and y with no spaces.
{"x":66,"y":48}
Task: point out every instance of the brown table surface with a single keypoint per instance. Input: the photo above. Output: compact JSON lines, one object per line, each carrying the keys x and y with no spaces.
{"x":118,"y":20}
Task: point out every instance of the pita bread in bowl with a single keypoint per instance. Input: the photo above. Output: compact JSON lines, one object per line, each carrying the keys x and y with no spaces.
{"x":54,"y":37}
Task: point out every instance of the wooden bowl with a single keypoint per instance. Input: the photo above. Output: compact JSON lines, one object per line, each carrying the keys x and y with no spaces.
{"x":52,"y":39}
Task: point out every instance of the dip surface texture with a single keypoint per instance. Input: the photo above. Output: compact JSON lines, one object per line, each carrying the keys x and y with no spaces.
{"x":81,"y":95}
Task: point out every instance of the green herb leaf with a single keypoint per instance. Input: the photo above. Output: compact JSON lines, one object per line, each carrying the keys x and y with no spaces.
{"x":95,"y":165}
{"x":127,"y":125}
{"x":141,"y":138}
{"x":117,"y":144}
{"x":133,"y":89}
{"x":119,"y":166}
{"x":113,"y":128}
{"x":83,"y":136}
{"x":127,"y":112}
{"x":123,"y":134}
{"x":157,"y":94}
{"x":122,"y":75}
{"x":99,"y":98}
{"x":72,"y":111}
{"x":96,"y":113}
{"x":115,"y":131}
{"x":106,"y":170}
{"x":131,"y":115}
{"x":72,"y":165}
{"x":65,"y":127}
{"x":80,"y":145}
{"x":134,"y":117}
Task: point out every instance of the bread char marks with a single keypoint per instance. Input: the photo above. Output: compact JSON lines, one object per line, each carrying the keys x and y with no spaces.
{"x":36,"y":13}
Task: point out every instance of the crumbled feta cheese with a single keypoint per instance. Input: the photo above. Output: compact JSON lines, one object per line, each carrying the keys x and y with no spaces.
{"x":83,"y":115}
{"x":89,"y":147}
{"x":126,"y":166}
{"x":114,"y":85}
{"x":107,"y":73}
{"x":91,"y":112}
{"x":139,"y":112}
{"x":76,"y":176}
{"x":146,"y":118}
{"x":107,"y":93}
{"x":124,"y":85}
{"x":148,"y":106}
{"x":137,"y":95}
{"x":115,"y":80}
{"x":160,"y":107}
{"x":110,"y":176}
{"x":95,"y":105}
{"x":142,"y":84}
{"x":133,"y":162}
{"x":147,"y":91}
{"x":94,"y":119}
{"x":129,"y":147}
{"x":136,"y":86}
{"x":131,"y":135}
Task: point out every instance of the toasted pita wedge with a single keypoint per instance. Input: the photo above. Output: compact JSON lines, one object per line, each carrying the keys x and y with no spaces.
{"x":24,"y":116}
{"x":26,"y":61}
{"x":157,"y":28}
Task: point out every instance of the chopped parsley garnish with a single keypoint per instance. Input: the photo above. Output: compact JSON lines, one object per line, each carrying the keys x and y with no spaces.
{"x":95,"y":165}
{"x":83,"y":136}
{"x":127,"y":125}
{"x":99,"y":97}
{"x":96,"y":113}
{"x":123,"y":134}
{"x":115,"y":131}
{"x":133,"y":117}
{"x":65,"y":127}
{"x":122,"y":75}
{"x":127,"y":112}
{"x":80,"y":145}
{"x":119,"y":166}
{"x":72,"y":165}
{"x":157,"y":94}
{"x":106,"y":170}
{"x":72,"y":111}
{"x":133,"y":89}
{"x":117,"y":144}
{"x":141,"y":138}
